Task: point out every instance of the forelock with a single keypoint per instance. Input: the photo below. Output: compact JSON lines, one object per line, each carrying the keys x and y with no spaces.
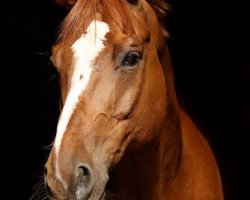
{"x":84,"y":11}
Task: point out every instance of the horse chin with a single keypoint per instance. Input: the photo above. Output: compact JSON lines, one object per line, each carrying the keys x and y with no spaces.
{"x":103,"y":196}
{"x":100,"y":195}
{"x":98,"y":191}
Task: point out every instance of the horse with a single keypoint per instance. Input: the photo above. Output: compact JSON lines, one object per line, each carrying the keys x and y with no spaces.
{"x":122,"y":133}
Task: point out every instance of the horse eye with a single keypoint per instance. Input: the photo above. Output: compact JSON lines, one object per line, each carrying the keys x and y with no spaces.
{"x":131,"y":59}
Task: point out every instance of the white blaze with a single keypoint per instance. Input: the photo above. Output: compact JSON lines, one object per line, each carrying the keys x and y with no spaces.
{"x":85,"y":50}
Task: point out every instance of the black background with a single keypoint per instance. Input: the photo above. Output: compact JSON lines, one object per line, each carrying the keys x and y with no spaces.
{"x":210,"y":48}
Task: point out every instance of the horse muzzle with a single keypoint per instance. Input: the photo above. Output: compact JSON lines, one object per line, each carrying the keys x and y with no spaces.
{"x":82,"y":184}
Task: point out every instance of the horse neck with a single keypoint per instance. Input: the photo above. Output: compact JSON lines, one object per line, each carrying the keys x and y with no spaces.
{"x":156,"y":163}
{"x":170,"y":139}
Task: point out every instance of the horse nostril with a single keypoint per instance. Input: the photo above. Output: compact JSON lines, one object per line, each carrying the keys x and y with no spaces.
{"x":84,"y":182}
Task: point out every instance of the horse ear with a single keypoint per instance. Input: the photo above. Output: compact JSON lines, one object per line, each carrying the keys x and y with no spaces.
{"x":68,"y":4}
{"x":161,"y":8}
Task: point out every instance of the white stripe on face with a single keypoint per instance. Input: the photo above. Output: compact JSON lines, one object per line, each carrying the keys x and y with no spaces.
{"x":85,"y":50}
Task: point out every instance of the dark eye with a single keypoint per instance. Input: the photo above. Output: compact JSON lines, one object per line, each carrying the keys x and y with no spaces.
{"x":131,"y":59}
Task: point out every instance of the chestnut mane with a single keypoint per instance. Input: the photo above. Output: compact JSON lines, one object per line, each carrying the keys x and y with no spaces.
{"x":120,"y":13}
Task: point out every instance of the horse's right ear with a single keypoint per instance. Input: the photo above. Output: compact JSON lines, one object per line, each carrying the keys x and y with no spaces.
{"x":68,"y":4}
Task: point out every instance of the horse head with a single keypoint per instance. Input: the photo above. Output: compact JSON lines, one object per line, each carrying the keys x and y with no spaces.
{"x":113,"y":92}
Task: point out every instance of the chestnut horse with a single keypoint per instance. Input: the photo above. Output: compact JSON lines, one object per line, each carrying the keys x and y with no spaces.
{"x":121,"y":132}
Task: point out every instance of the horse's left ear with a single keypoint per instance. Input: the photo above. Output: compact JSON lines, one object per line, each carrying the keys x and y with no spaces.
{"x":68,"y":4}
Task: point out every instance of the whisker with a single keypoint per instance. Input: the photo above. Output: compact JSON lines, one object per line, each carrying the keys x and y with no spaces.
{"x":43,"y":53}
{"x":40,"y":191}
{"x":46,"y":197}
{"x":111,"y":195}
{"x":52,"y":78}
{"x":48,"y":147}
